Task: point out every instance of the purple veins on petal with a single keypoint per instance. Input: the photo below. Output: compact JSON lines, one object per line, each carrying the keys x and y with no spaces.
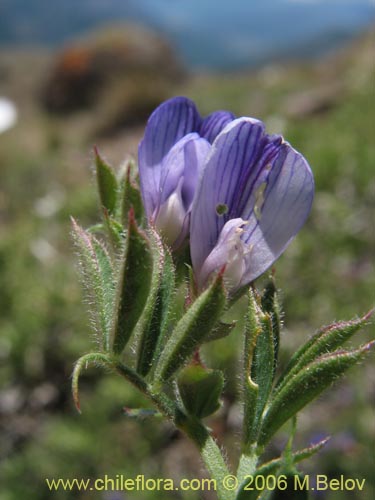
{"x":214,"y":123}
{"x":169,"y":123}
{"x":172,"y":155}
{"x":177,"y":188}
{"x":262,"y":181}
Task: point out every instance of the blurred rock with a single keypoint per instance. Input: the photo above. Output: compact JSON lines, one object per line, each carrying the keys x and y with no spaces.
{"x":43,"y":395}
{"x":316,"y":101}
{"x":11,"y":400}
{"x":129,"y":101}
{"x":125,"y":70}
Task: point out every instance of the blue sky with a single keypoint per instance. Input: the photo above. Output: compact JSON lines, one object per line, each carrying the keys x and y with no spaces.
{"x":206,"y":33}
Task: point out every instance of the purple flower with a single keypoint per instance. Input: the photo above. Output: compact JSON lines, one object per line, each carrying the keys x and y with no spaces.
{"x":254,"y":196}
{"x":171,"y":158}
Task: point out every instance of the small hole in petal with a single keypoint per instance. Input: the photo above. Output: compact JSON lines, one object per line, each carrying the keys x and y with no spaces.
{"x":221,"y":209}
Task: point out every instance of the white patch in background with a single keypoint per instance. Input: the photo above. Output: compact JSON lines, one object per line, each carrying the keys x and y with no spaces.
{"x":8,"y":114}
{"x":42,"y":250}
{"x":50,"y":204}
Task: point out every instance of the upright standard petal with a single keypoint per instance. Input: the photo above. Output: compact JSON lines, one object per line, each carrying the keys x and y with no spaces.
{"x":171,"y":158}
{"x":171,"y":121}
{"x":214,"y":123}
{"x":259,"y":179}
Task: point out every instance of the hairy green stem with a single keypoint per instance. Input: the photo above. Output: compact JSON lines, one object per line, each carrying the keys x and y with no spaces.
{"x":192,"y":427}
{"x":210,"y":452}
{"x":247,"y":465}
{"x":249,"y":388}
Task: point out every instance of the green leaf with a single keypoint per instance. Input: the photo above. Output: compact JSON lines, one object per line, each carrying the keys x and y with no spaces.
{"x":237,"y":295}
{"x":184,"y":271}
{"x":131,"y":197}
{"x":96,"y":358}
{"x":115,"y":232}
{"x":306,"y":453}
{"x":98,"y":280}
{"x":107,"y":184}
{"x":165,"y":302}
{"x":96,"y":228}
{"x":262,"y":368}
{"x":220,"y":331}
{"x":200,"y":390}
{"x":250,"y":387}
{"x":133,"y":286}
{"x":155,"y":318}
{"x":327,"y":340}
{"x":305,"y":386}
{"x":258,"y":367}
{"x":271,"y":467}
{"x":192,"y":330}
{"x":270,"y":304}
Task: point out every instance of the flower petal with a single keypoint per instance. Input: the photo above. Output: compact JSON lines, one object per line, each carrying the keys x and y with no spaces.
{"x":180,"y":173}
{"x":171,"y":121}
{"x":196,"y":153}
{"x":173,"y":166}
{"x":228,"y":253}
{"x":287,"y":202}
{"x":258,"y":178}
{"x":185,"y":159}
{"x":170,"y":217}
{"x":214,"y":123}
{"x":233,"y":154}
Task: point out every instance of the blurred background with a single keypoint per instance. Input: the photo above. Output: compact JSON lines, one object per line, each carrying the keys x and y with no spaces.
{"x":74,"y":74}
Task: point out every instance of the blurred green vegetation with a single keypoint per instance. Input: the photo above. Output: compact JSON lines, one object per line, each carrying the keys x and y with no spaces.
{"x":326,"y":110}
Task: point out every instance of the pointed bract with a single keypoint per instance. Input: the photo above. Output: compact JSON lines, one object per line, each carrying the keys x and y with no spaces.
{"x":98,"y":280}
{"x":133,"y":285}
{"x":192,"y":330}
{"x":107,"y":183}
{"x":155,"y":317}
{"x":131,"y":198}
